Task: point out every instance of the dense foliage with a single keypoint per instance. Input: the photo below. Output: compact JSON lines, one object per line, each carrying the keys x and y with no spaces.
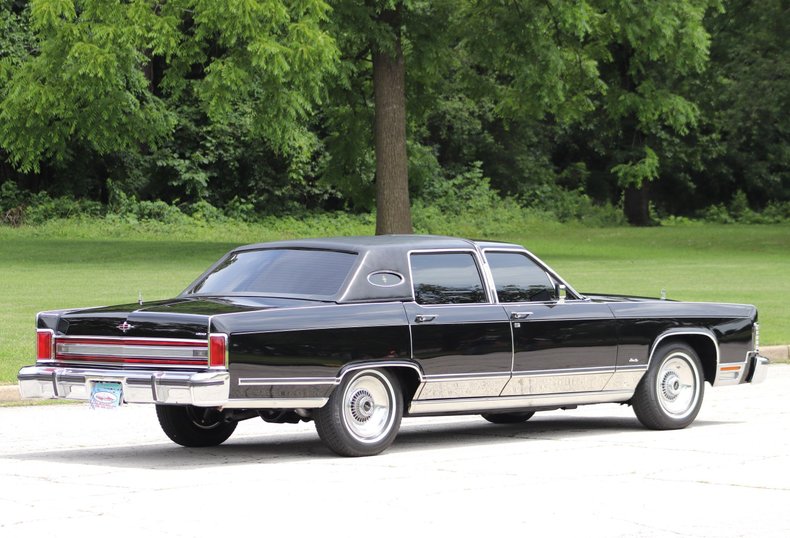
{"x":262,"y":107}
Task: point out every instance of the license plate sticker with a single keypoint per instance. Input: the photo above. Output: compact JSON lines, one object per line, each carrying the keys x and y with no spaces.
{"x":106,"y":395}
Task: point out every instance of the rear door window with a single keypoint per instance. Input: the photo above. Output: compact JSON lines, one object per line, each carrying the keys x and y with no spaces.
{"x":446,"y":278}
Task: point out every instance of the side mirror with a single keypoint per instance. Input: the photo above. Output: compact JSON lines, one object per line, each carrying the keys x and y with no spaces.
{"x":561,"y":292}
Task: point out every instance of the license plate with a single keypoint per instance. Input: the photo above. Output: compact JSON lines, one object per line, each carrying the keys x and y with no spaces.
{"x":106,"y":395}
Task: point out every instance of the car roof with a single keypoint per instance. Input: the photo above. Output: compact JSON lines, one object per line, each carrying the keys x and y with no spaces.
{"x":362,"y":243}
{"x":381,"y":253}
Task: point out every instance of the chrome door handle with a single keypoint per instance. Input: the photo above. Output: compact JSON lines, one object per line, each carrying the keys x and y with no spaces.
{"x":424,"y":318}
{"x":520,"y":315}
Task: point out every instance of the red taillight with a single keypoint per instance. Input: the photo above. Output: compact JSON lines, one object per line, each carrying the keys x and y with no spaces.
{"x":44,"y":339}
{"x":217,"y":349}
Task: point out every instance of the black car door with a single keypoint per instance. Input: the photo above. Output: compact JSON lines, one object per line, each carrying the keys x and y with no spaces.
{"x":461,"y":339}
{"x":560,"y":346}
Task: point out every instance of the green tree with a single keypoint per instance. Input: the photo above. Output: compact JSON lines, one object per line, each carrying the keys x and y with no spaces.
{"x":744,"y":98}
{"x":391,"y":60}
{"x":612,"y":70}
{"x":546,"y":61}
{"x":104,"y":74}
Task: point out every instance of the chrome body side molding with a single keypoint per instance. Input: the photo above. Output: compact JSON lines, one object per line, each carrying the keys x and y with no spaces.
{"x":275,"y":403}
{"x":478,"y":405}
{"x":294,"y":381}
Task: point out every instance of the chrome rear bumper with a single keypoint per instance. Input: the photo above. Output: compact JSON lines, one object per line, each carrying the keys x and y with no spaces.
{"x":204,"y":389}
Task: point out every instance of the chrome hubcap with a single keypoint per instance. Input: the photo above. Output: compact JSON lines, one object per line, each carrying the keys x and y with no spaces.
{"x":362,"y":406}
{"x":677,"y":385}
{"x":368,"y":407}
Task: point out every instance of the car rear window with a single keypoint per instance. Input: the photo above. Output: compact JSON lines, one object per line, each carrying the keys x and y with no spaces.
{"x":279,"y":272}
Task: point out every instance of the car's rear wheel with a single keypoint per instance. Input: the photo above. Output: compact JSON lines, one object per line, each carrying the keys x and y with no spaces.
{"x":193,"y":426}
{"x":670,"y":395}
{"x":363,"y":414}
{"x":508,"y":418}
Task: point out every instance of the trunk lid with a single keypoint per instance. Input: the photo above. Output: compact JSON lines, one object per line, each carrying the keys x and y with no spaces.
{"x":171,"y":334}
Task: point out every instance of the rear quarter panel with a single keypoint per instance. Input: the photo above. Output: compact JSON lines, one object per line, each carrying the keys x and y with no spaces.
{"x":271,"y":352}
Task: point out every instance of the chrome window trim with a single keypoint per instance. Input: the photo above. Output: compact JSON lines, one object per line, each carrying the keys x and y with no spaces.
{"x":342,"y":289}
{"x":478,"y":265}
{"x":553,"y":275}
{"x":519,"y":253}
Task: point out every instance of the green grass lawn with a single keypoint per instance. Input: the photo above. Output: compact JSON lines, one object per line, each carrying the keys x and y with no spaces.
{"x":72,"y":264}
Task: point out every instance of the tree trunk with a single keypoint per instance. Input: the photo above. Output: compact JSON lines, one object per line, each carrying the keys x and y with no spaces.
{"x":392,"y":176}
{"x":636,"y":205}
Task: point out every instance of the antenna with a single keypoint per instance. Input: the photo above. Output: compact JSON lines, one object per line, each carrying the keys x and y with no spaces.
{"x":663,"y":295}
{"x":140,"y":297}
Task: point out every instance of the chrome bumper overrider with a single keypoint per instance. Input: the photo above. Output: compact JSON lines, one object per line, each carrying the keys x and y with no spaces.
{"x":204,"y":389}
{"x":758,"y":369}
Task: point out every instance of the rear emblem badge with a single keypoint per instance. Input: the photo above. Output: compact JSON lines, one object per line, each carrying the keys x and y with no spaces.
{"x":125,"y":326}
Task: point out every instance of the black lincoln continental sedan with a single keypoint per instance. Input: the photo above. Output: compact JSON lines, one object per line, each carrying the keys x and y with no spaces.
{"x":355,"y":333}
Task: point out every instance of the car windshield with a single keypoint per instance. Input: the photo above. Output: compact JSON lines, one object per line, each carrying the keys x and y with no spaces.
{"x":278,"y":272}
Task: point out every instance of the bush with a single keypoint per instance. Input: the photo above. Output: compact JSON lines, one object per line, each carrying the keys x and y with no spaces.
{"x":469,"y":191}
{"x":572,"y":205}
{"x":463,"y":205}
{"x":740,"y":211}
{"x":18,"y":207}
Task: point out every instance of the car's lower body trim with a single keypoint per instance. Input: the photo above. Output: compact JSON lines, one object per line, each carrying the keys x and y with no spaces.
{"x":275,"y":403}
{"x":477,"y":405}
{"x":205,"y":388}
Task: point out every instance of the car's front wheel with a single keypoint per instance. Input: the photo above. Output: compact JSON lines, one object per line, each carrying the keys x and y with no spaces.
{"x":363,"y":414}
{"x":193,"y":426}
{"x":670,"y":395}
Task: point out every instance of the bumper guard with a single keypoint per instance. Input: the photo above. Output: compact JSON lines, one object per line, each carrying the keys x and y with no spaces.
{"x":758,"y":368}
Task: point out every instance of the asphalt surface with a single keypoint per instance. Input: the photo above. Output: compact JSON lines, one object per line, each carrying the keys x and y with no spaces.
{"x":68,"y":471}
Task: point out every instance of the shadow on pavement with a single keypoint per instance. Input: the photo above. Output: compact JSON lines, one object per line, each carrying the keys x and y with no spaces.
{"x":285,"y":447}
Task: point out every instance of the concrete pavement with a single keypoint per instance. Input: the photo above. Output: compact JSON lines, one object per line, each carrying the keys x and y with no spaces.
{"x":593,"y":471}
